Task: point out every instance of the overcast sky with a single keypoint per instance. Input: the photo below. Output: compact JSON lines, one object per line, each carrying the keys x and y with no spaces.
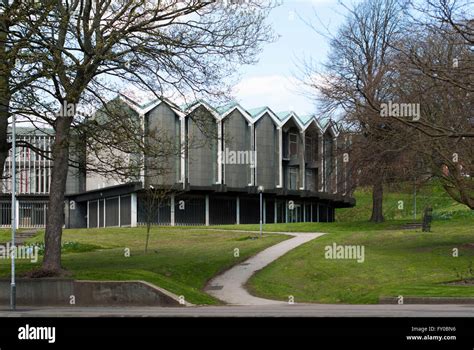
{"x":272,"y":81}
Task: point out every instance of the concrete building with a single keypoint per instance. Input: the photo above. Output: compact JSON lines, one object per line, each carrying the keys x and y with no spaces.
{"x":215,"y":178}
{"x":33,"y":174}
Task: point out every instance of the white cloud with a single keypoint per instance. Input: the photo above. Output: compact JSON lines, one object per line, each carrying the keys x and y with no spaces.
{"x":278,"y":92}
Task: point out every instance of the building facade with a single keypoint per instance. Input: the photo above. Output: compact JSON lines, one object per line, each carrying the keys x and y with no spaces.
{"x":33,"y":174}
{"x":215,"y":179}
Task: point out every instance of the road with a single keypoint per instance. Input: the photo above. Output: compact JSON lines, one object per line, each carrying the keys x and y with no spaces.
{"x":280,"y":310}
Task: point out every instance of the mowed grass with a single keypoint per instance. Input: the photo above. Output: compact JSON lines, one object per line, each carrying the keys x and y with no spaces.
{"x":399,"y":203}
{"x":180,"y":260}
{"x":6,"y":234}
{"x":397,"y":262}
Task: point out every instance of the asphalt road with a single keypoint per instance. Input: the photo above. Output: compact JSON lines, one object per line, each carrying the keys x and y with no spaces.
{"x":286,"y":310}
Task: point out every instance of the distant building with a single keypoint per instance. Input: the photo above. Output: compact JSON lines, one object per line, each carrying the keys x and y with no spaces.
{"x":33,"y":174}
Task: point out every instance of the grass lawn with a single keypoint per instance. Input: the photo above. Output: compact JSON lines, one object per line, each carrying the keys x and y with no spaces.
{"x":397,"y":262}
{"x":180,"y":260}
{"x":5,"y":235}
{"x":431,"y":194}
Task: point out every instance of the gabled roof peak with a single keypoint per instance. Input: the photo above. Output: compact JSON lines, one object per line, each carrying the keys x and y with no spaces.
{"x":251,"y":115}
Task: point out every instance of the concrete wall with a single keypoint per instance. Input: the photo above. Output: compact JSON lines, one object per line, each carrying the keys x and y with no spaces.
{"x":267,"y":152}
{"x":237,"y":138}
{"x":328,"y":159}
{"x":95,"y":181}
{"x":76,"y":176}
{"x":302,"y":168}
{"x":163,"y":124}
{"x":202,"y":148}
{"x":58,"y":292}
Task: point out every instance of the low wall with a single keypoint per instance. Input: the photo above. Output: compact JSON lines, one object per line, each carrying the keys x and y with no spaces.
{"x":68,"y":292}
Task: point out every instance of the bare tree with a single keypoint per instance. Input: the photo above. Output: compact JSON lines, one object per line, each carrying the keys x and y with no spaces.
{"x":436,"y":69}
{"x":19,"y":25}
{"x":167,"y":47}
{"x":355,"y":81}
{"x":438,"y":49}
{"x":154,"y":200}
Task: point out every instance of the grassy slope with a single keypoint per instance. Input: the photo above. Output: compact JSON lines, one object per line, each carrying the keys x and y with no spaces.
{"x":398,"y":262}
{"x":180,"y":260}
{"x":430,"y":194}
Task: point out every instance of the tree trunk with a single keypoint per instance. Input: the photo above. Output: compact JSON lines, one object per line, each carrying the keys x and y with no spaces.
{"x":55,"y":216}
{"x":377,"y":203}
{"x":148,"y":227}
{"x":4,"y":114}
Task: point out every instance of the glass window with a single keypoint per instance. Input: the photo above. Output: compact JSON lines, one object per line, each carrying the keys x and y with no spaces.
{"x":293,"y":185}
{"x":293,"y":144}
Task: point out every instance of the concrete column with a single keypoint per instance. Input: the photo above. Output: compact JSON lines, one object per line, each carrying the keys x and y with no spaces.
{"x":280,"y":157}
{"x":275,"y":208}
{"x":88,"y":213}
{"x":172,"y":207}
{"x":311,"y":212}
{"x":286,"y":211}
{"x":219,"y":152}
{"x":207,"y":210}
{"x":119,"y":203}
{"x":321,"y":163}
{"x":304,"y":211}
{"x":17,"y":213}
{"x":252,"y":148}
{"x":134,"y":210}
{"x":317,"y":212}
{"x":255,"y":176}
{"x":142,"y":170}
{"x":182,"y":123}
{"x":223,"y":154}
{"x":237,"y":210}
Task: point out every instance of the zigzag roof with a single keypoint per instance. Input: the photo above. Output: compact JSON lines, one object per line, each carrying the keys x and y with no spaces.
{"x":251,"y":115}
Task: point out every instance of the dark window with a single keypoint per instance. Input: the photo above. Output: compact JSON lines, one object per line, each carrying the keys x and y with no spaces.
{"x":101,"y":213}
{"x":92,"y":214}
{"x":293,"y":144}
{"x":311,"y":148}
{"x":293,"y":177}
{"x":125,"y":210}
{"x":112,"y":212}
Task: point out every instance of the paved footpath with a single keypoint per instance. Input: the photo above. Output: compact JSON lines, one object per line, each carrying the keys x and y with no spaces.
{"x":229,"y":286}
